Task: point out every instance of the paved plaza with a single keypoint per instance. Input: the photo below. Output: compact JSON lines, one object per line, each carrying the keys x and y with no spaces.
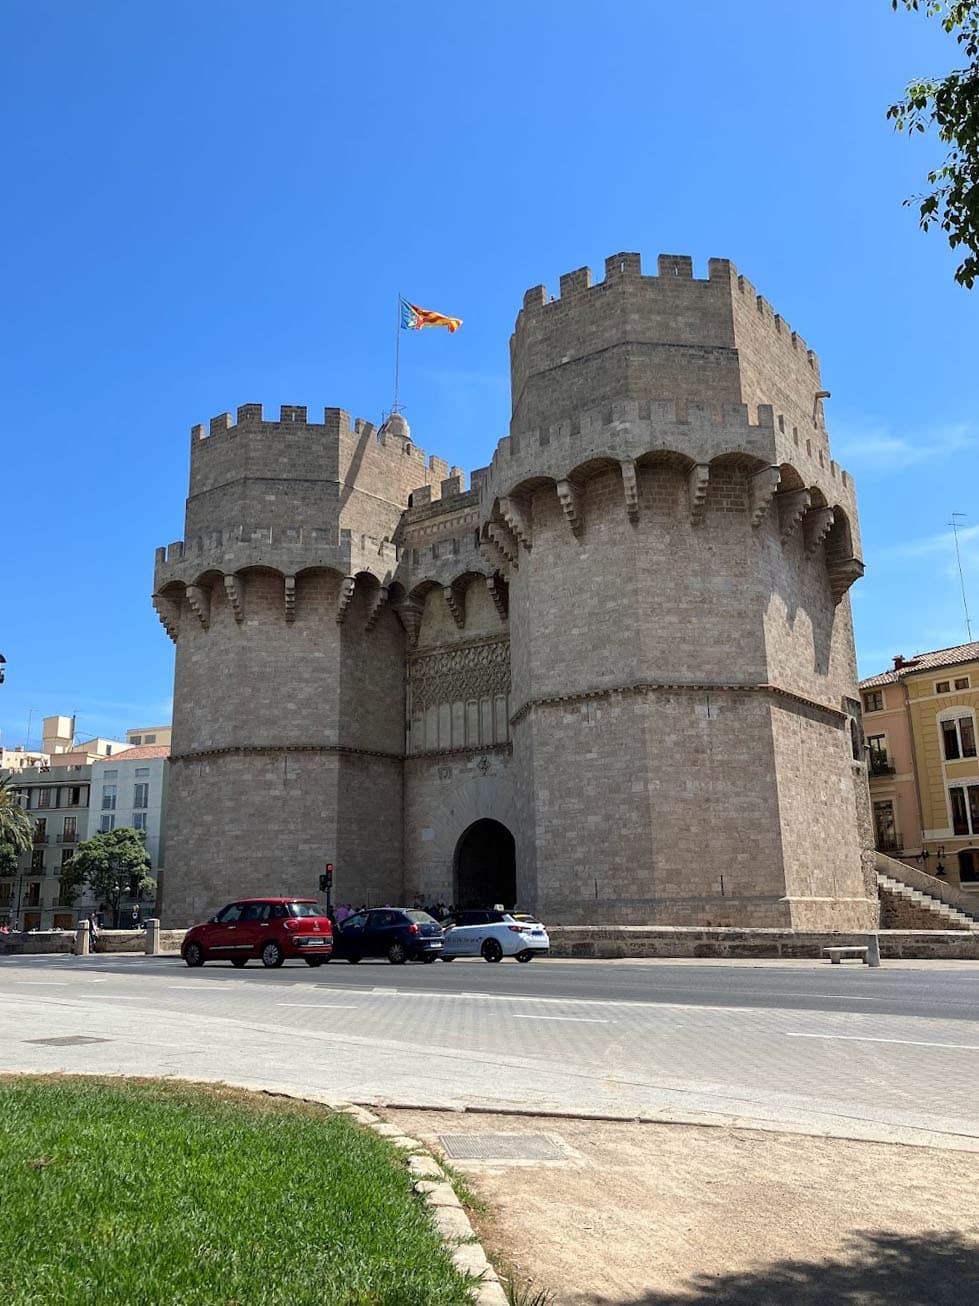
{"x":891,"y":1054}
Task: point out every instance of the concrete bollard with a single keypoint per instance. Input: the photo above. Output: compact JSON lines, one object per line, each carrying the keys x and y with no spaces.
{"x":82,"y":941}
{"x":873,"y":950}
{"x":152,"y":945}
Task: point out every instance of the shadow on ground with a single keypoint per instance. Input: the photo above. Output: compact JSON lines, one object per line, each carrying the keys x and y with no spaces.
{"x":878,"y":1269}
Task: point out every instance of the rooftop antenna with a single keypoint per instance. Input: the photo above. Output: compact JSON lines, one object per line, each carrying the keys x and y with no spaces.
{"x":958,"y":557}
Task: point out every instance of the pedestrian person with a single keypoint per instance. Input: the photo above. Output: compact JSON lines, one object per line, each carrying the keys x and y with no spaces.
{"x":93,"y":929}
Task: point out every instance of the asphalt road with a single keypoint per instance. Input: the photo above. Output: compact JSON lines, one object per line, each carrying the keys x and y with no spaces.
{"x":890,"y":1053}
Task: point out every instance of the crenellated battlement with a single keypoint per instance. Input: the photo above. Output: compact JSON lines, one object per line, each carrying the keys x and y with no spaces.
{"x":336,"y":424}
{"x":290,"y":549}
{"x":712,"y":339}
{"x":623,"y":271}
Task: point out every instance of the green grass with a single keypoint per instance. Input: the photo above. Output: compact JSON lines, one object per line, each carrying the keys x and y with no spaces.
{"x":163,"y":1194}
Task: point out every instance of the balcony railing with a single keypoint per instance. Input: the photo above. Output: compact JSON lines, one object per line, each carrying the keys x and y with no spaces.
{"x":881,"y":767}
{"x":889,"y":843}
{"x":68,"y":837}
{"x":39,"y":837}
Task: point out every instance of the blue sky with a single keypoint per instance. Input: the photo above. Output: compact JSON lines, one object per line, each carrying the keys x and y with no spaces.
{"x":214,"y":204}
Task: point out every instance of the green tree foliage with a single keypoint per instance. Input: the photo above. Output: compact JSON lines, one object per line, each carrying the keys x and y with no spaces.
{"x":113,"y":864}
{"x":16,"y":825}
{"x":8,"y":860}
{"x":950,"y":106}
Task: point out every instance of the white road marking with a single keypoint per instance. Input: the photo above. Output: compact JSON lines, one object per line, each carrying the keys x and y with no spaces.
{"x":321,"y":1006}
{"x":906,"y":1042}
{"x":48,"y":984}
{"x":581,"y":1020}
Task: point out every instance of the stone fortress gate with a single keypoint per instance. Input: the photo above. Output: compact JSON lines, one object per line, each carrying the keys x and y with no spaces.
{"x":613,"y":681}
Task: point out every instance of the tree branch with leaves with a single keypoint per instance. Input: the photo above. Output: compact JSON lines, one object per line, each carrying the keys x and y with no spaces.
{"x":16,"y":824}
{"x":950,"y":107}
{"x":114,"y":864}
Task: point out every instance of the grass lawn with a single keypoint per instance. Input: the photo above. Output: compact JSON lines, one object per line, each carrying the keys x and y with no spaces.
{"x":154,"y":1193}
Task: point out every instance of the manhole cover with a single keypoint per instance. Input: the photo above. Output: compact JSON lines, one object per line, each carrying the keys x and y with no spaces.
{"x":69,"y":1041}
{"x":502,"y":1147}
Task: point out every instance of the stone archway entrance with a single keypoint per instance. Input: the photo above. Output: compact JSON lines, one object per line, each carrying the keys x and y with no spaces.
{"x":485,"y":869}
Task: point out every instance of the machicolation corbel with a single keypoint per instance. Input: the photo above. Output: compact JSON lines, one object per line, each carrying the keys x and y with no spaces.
{"x":232,"y":587}
{"x":516,"y":520}
{"x":503,"y":540}
{"x":697,"y":482}
{"x":347,"y":587}
{"x":378,"y":600}
{"x":410,"y":615}
{"x":792,"y":507}
{"x":200,"y":604}
{"x":500,"y":595}
{"x":169,"y":614}
{"x":570,"y":501}
{"x":816,"y":526}
{"x":494,"y":555}
{"x":456,"y":605}
{"x":842,"y":573}
{"x":763,"y":486}
{"x":630,"y":487}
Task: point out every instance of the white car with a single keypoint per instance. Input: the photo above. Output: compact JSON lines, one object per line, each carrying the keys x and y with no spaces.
{"x":494,"y":935}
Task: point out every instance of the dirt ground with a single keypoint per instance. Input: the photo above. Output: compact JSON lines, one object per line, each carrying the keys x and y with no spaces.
{"x":656,"y":1215}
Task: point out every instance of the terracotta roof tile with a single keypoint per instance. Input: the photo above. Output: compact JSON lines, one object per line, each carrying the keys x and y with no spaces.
{"x":934,"y":661}
{"x":139,"y":754}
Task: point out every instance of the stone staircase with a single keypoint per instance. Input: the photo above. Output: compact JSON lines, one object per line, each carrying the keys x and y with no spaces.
{"x":905,"y":907}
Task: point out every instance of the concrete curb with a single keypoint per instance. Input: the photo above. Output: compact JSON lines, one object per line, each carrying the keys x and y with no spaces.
{"x":890,"y":1135}
{"x":432,"y":1186}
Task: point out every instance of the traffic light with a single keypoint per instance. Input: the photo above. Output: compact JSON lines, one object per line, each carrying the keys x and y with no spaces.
{"x":326,"y":879}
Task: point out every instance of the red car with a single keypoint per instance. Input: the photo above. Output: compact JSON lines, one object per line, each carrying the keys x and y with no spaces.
{"x":270,"y":928}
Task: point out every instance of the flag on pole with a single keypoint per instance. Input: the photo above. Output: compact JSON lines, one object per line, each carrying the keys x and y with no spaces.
{"x":414,"y":318}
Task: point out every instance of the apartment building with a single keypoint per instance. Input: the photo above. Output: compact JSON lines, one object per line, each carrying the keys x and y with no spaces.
{"x":71,"y":802}
{"x":58,"y":799}
{"x":129,"y":790}
{"x":920,"y":725}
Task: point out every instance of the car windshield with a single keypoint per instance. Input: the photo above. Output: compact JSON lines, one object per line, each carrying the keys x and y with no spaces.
{"x":421,"y":918}
{"x":305,"y":909}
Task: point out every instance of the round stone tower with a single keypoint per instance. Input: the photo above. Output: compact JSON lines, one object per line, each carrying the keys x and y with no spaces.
{"x":288,"y":727}
{"x":678,"y":544}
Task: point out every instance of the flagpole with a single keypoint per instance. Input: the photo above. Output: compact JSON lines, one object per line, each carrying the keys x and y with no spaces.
{"x":397,"y":352}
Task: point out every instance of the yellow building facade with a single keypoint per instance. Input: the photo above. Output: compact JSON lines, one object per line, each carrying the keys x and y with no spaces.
{"x":921,"y":735}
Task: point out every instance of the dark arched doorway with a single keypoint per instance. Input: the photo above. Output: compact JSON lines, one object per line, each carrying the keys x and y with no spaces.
{"x":485,"y":866}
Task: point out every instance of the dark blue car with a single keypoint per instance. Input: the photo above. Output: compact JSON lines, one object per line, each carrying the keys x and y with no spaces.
{"x":398,"y":933}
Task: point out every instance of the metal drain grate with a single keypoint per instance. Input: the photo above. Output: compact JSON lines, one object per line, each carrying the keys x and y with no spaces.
{"x":501,"y":1147}
{"x":69,"y":1041}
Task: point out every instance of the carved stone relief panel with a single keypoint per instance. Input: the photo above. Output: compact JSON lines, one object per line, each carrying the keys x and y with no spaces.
{"x":459,"y":696}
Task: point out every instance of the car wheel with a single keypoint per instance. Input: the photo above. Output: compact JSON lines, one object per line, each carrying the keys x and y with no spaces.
{"x":396,"y":954}
{"x":238,"y":962}
{"x":492,"y":951}
{"x":448,"y":958}
{"x":314,"y":961}
{"x":428,"y":958}
{"x":272,"y":955}
{"x":353,"y":960}
{"x":526,"y":955}
{"x":194,"y":955}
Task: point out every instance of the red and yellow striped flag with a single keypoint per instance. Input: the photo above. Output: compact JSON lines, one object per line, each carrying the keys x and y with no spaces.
{"x":414,"y":318}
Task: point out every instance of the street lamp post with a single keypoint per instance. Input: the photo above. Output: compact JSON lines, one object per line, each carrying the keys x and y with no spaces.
{"x":925,"y":854}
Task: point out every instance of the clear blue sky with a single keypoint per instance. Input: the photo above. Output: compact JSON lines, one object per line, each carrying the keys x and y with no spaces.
{"x":209,"y":204}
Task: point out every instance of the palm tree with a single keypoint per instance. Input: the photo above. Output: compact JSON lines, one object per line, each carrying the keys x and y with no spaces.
{"x":16,"y":825}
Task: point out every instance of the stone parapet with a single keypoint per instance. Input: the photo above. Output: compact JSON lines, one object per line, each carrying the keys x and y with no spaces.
{"x":614,"y":941}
